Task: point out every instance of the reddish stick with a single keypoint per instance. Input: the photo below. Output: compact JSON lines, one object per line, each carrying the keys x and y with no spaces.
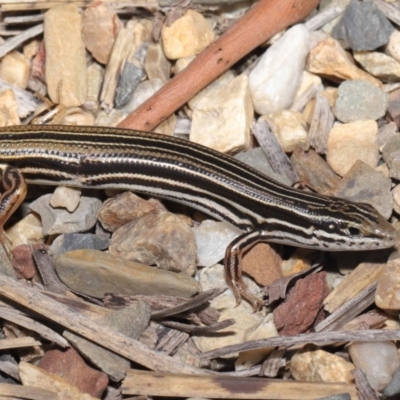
{"x":262,"y":21}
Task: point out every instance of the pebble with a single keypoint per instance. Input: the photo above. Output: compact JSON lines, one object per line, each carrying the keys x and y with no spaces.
{"x":126,"y":207}
{"x":385,"y":133}
{"x":360,"y":100}
{"x":95,"y":75}
{"x":391,"y":155}
{"x":393,"y":387}
{"x":380,"y":368}
{"x":79,"y":117}
{"x":277,"y":76}
{"x":363,"y":26}
{"x":66,"y":76}
{"x":187,"y":36}
{"x":363,"y":184}
{"x":22,"y":259}
{"x":324,"y":4}
{"x":394,"y":106}
{"x":156,"y":64}
{"x":15,"y":68}
{"x":130,"y":321}
{"x":66,"y":197}
{"x":384,"y":67}
{"x":100,"y":26}
{"x":330,"y":60}
{"x":228,"y":114}
{"x":8,"y":108}
{"x":28,"y":230}
{"x":300,"y":260}
{"x":212,"y":239}
{"x":77,"y":268}
{"x":387,"y":295}
{"x":320,"y":366}
{"x":69,"y":365}
{"x":348,"y":143}
{"x":77,"y":241}
{"x":289,"y":128}
{"x":56,"y":221}
{"x":393,"y":47}
{"x":36,"y":377}
{"x":164,"y":239}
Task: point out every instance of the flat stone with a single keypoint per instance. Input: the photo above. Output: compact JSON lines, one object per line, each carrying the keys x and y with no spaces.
{"x":391,"y":155}
{"x":187,"y":36}
{"x":15,"y":68}
{"x":329,"y":60}
{"x":380,"y":368}
{"x":69,"y":365}
{"x":109,"y":274}
{"x":66,"y":197}
{"x":130,"y":321}
{"x":126,"y":207}
{"x":363,"y":26}
{"x":384,"y":67}
{"x":363,"y":184}
{"x":320,"y":366}
{"x":360,"y":100}
{"x":77,"y":241}
{"x":164,"y":239}
{"x":289,"y":128}
{"x":65,"y":74}
{"x":56,"y":221}
{"x":100,"y":26}
{"x":387,"y":295}
{"x":348,"y":143}
{"x":228,"y":114}
{"x":277,"y":76}
{"x":22,"y":259}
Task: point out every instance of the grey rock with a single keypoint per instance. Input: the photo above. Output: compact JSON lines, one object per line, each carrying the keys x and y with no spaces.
{"x":76,"y":241}
{"x":365,"y":185}
{"x":360,"y":100}
{"x":393,"y":387}
{"x":385,"y":133}
{"x":342,"y":396}
{"x":391,"y":155}
{"x":128,"y":82}
{"x":57,"y":221}
{"x":94,"y":273}
{"x":363,"y":26}
{"x":130,"y":321}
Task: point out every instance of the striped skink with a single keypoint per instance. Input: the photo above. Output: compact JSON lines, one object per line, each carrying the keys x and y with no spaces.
{"x":188,"y":173}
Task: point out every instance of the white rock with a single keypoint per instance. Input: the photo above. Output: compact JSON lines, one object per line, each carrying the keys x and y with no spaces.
{"x":28,"y":230}
{"x":378,"y":360}
{"x":307,"y":79}
{"x":212,"y":239}
{"x":14,"y":68}
{"x":222,"y":121}
{"x":277,"y":76}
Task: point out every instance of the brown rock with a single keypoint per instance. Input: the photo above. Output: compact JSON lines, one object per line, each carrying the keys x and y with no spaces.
{"x":71,"y":367}
{"x":330,"y":60}
{"x":301,"y":307}
{"x":126,"y":207}
{"x":263,"y":263}
{"x":387,"y":294}
{"x":14,"y":68}
{"x":23,"y":262}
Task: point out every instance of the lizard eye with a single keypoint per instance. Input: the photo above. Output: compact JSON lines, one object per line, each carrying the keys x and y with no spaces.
{"x":354,"y":231}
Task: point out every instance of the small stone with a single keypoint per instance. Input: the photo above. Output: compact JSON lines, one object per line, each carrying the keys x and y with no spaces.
{"x":14,"y":69}
{"x":126,"y":207}
{"x":307,"y":80}
{"x":161,"y":239}
{"x":348,"y":143}
{"x":360,"y":100}
{"x":302,"y":306}
{"x":8,"y":108}
{"x":56,"y":221}
{"x":100,"y":26}
{"x":109,"y":118}
{"x":262,"y":263}
{"x":393,"y":47}
{"x":329,"y":60}
{"x":65,"y":56}
{"x":277,"y":76}
{"x":66,"y":197}
{"x":187,"y":36}
{"x":95,"y":75}
{"x":324,"y":4}
{"x":31,"y":49}
{"x":77,"y":241}
{"x":394,"y":106}
{"x":39,"y":378}
{"x":393,"y":387}
{"x":387,"y":295}
{"x":156,"y":64}
{"x":212,"y":239}
{"x":391,"y":155}
{"x":300,"y":260}
{"x":130,"y":321}
{"x":228,"y":115}
{"x":289,"y":128}
{"x":385,"y":133}
{"x":79,"y":117}
{"x":69,"y":365}
{"x":363,"y":26}
{"x":380,"y":368}
{"x":22,"y":259}
{"x":109,"y":274}
{"x":396,"y":194}
{"x":28,"y":230}
{"x":363,"y":184}
{"x":320,"y":366}
{"x":129,"y":79}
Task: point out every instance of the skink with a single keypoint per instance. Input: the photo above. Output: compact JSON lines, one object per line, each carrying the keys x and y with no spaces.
{"x":188,"y":173}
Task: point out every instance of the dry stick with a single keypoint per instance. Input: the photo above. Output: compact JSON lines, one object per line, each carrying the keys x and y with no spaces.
{"x":76,"y":322}
{"x":262,"y":21}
